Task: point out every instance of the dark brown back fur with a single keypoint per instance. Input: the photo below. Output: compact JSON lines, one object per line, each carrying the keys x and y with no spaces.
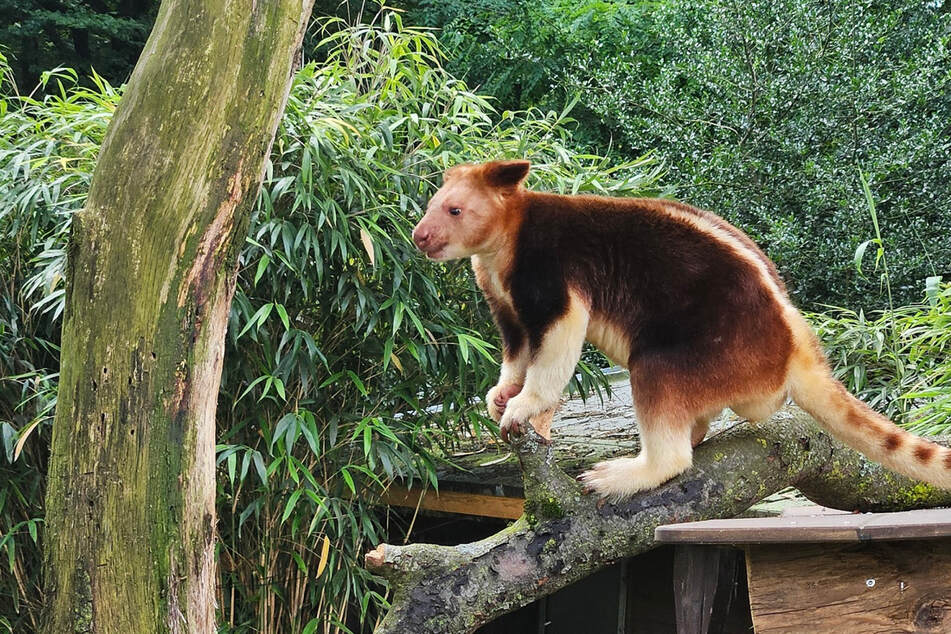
{"x":693,"y":311}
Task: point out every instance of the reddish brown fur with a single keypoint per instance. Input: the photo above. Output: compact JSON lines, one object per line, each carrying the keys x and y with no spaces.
{"x":857,"y":415}
{"x":728,"y":360}
{"x":924,"y":453}
{"x":893,"y":441}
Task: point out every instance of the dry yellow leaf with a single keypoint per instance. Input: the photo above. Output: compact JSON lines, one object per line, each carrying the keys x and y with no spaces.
{"x":23,"y":436}
{"x":324,"y":555}
{"x":368,"y":245}
{"x":396,"y":361}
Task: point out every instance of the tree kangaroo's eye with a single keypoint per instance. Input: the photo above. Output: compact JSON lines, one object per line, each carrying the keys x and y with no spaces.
{"x":454,"y":211}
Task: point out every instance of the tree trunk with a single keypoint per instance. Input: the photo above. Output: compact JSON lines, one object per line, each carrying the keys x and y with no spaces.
{"x":565,"y":536}
{"x":152,"y":269}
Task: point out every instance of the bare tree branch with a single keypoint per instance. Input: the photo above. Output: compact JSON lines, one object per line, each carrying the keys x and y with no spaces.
{"x":565,"y":536}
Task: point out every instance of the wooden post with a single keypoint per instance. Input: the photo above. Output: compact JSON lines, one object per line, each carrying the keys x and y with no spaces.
{"x":829,"y":573}
{"x":696,"y":570}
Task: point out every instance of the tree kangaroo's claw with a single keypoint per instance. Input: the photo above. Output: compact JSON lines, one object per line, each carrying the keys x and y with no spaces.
{"x":513,"y":430}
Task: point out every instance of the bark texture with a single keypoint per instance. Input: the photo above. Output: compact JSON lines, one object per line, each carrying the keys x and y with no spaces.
{"x":152,"y":269}
{"x":565,"y":536}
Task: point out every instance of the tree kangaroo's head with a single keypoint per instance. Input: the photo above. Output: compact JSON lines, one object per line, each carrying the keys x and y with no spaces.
{"x":473,"y":212}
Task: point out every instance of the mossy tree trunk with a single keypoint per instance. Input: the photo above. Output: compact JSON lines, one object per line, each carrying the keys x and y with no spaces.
{"x":565,"y":536}
{"x":152,"y":269}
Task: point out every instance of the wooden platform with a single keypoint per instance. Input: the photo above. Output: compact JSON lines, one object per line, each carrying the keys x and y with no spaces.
{"x":823,"y":526}
{"x":822,"y":571}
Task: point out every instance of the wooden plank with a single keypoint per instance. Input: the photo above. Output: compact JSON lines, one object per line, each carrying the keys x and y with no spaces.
{"x":696,"y":571}
{"x":760,"y":530}
{"x":931,"y":523}
{"x":872,"y":588}
{"x":455,"y":502}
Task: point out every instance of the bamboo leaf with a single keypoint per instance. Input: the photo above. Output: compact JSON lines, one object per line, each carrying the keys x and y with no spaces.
{"x":23,"y":436}
{"x":324,"y":557}
{"x":291,"y":503}
{"x":282,"y":313}
{"x":262,"y":266}
{"x":258,"y":460}
{"x":368,"y":245}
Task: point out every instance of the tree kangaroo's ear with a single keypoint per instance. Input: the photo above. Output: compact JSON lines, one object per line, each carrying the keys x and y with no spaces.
{"x":507,"y":174}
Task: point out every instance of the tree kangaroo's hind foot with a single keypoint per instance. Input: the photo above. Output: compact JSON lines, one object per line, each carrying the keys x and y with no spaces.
{"x":666,"y":451}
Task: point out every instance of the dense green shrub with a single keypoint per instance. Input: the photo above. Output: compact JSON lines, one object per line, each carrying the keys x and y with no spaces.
{"x":898,"y":361}
{"x":350,"y":360}
{"x":524,"y":54}
{"x":105,"y":36}
{"x":763,"y":111}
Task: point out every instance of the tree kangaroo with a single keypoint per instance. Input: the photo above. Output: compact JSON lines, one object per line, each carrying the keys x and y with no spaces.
{"x":682,"y":298}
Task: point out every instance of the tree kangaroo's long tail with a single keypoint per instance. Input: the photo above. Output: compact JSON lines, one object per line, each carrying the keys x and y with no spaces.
{"x":813,"y":388}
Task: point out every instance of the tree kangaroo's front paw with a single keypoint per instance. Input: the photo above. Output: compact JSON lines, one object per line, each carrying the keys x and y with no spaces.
{"x":510,"y":429}
{"x":517,"y":416}
{"x":498,"y":397}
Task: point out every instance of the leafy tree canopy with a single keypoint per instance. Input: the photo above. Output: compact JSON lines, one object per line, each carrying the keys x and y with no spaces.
{"x":765,"y":112}
{"x":105,"y":35}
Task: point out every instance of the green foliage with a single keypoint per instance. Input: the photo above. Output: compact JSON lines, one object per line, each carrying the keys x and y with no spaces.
{"x":525,"y":54}
{"x":898,"y":361}
{"x":105,"y":35}
{"x":350,"y":360}
{"x":763,"y":111}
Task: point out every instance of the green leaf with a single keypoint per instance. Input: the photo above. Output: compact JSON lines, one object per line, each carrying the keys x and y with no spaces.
{"x":345,"y":474}
{"x":300,"y":563}
{"x":259,"y":466}
{"x":933,"y":289}
{"x":291,"y":503}
{"x":257,"y":319}
{"x":232,"y":465}
{"x":357,"y":382}
{"x":282,"y":313}
{"x":286,"y":421}
{"x":251,"y":386}
{"x":262,"y":266}
{"x":860,"y":254}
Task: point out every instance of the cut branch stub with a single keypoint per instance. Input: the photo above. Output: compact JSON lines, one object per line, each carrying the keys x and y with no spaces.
{"x":404,"y":564}
{"x":549,"y":491}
